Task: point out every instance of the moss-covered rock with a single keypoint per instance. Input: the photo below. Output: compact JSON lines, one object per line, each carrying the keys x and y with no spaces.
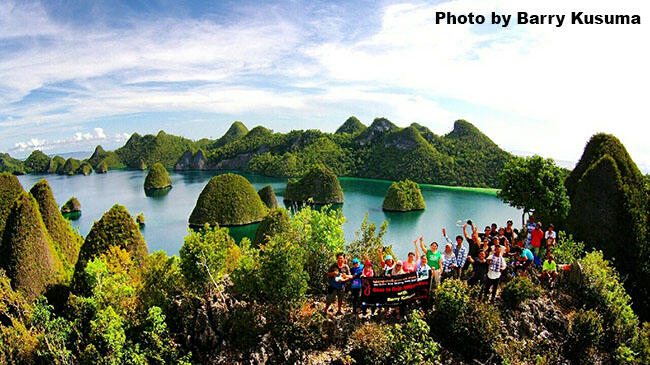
{"x":277,"y":221}
{"x":228,"y":200}
{"x":267,"y":194}
{"x":157,"y":178}
{"x":85,"y":168}
{"x":102,"y":168}
{"x":55,"y":165}
{"x":139,"y":219}
{"x":403,"y":196}
{"x":142,"y":165}
{"x":109,"y":158}
{"x":10,"y":189}
{"x":27,"y":253}
{"x":71,"y":209}
{"x":116,"y":228}
{"x":66,"y":240}
{"x":70,"y":167}
{"x":318,"y":186}
{"x":609,"y":212}
{"x":37,"y":162}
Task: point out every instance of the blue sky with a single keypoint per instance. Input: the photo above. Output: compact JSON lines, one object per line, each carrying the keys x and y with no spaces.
{"x":74,"y":74}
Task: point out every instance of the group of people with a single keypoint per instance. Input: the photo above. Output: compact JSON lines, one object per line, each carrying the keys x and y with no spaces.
{"x":488,"y":253}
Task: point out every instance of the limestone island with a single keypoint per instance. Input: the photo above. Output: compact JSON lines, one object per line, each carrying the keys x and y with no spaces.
{"x":139,"y":219}
{"x":157,"y":180}
{"x":228,"y":200}
{"x":267,"y":194}
{"x":403,"y":196}
{"x":318,"y":186}
{"x":71,"y":209}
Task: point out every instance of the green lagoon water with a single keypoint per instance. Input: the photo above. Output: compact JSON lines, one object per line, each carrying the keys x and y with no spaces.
{"x":166,"y":216}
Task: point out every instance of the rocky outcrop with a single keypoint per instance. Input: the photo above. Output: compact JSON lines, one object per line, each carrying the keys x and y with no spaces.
{"x":378,"y":128}
{"x":539,"y":319}
{"x":192,"y":161}
{"x":319,"y":186}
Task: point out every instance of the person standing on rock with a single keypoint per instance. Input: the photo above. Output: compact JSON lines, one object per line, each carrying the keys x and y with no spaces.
{"x":460,"y":252}
{"x":386,"y":265}
{"x":355,"y":288}
{"x":338,"y":275}
{"x":434,"y":259}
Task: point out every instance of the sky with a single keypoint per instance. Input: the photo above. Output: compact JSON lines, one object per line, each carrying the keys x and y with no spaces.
{"x":74,"y":74}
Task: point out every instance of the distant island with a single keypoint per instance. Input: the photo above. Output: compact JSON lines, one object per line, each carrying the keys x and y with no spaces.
{"x":463,"y":157}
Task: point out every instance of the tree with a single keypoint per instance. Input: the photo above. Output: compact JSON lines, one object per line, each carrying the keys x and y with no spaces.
{"x":535,"y":185}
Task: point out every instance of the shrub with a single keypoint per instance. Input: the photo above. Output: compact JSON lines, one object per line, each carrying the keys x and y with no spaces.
{"x":277,"y":221}
{"x":567,"y":250}
{"x":412,"y":344}
{"x":282,"y":277}
{"x":458,"y":316}
{"x":602,"y":291}
{"x":586,"y":333}
{"x":519,"y":290}
{"x":370,"y":344}
{"x":366,"y":243}
{"x":206,"y":256}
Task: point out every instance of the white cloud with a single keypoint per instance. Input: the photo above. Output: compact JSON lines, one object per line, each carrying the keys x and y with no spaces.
{"x":78,"y":138}
{"x":531,"y":88}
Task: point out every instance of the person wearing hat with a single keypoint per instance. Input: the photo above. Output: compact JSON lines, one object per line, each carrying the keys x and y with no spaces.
{"x":387,"y":264}
{"x":355,"y":288}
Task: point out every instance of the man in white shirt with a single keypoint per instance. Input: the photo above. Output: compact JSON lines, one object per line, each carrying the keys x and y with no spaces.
{"x":496,"y":265}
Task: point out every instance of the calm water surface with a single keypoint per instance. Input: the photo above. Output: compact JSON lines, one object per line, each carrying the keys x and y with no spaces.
{"x":166,"y":216}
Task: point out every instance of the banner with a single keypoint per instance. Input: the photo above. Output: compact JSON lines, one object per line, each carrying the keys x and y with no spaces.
{"x":395,"y":290}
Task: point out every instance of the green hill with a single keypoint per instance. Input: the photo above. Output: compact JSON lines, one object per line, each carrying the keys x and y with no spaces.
{"x":464,"y":157}
{"x":228,"y":200}
{"x":403,"y":196}
{"x":10,"y":189}
{"x":104,"y":160}
{"x":157,"y":178}
{"x":352,"y":126}
{"x":267,"y":194}
{"x":66,"y":240}
{"x":11,"y":165}
{"x":37,"y":162}
{"x":163,"y":148}
{"x":71,"y":167}
{"x":116,"y":228}
{"x":318,"y":186}
{"x":27,"y":253}
{"x":236,"y":131}
{"x":609,"y":211}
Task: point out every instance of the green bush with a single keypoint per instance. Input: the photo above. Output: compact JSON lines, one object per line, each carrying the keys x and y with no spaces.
{"x":276,"y":222}
{"x":567,"y":250}
{"x":586,"y":333}
{"x":519,"y":290}
{"x":412,"y":344}
{"x":282,"y":276}
{"x":367,"y":243}
{"x":458,"y":316}
{"x":370,"y":344}
{"x":206,"y":256}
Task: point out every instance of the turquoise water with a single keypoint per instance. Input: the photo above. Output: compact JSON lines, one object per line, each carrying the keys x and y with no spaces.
{"x":166,"y":216}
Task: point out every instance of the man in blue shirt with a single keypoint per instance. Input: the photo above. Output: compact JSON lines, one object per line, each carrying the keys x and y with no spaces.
{"x":523,"y":259}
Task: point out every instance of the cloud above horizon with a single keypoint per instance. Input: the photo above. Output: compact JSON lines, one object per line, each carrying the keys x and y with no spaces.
{"x":79,"y":138}
{"x":293,"y":65}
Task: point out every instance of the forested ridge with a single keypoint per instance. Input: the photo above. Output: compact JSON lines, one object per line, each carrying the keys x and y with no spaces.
{"x":463,"y":157}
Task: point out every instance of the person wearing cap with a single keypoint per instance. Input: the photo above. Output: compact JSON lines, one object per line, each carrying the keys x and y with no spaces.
{"x":524,"y":257}
{"x":368,"y":272}
{"x":338,"y":275}
{"x":355,"y":288}
{"x":496,"y":264}
{"x":388,"y":264}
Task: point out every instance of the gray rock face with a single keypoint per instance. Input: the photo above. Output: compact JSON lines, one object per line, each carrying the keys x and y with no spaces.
{"x":536,"y":319}
{"x":376,"y":129}
{"x":189,"y":161}
{"x":401,"y":144}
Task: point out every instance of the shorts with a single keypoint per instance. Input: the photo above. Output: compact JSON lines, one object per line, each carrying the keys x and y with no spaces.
{"x":333,"y":293}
